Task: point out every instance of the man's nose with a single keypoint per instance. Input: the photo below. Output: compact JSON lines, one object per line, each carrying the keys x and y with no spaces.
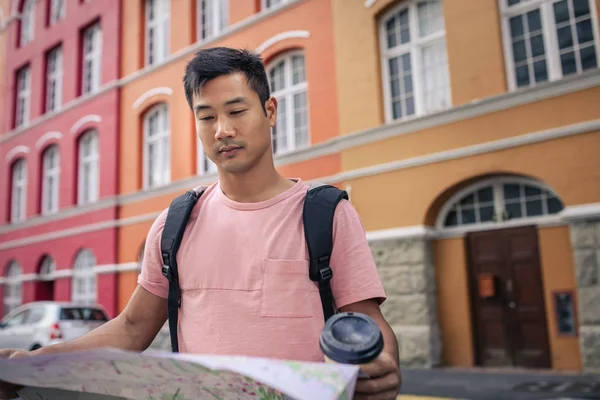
{"x":224,"y":129}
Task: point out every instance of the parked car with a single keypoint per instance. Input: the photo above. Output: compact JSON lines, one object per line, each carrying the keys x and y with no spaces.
{"x":37,"y":324}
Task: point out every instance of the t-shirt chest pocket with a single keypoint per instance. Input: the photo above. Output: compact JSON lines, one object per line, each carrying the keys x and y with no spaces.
{"x":286,"y":289}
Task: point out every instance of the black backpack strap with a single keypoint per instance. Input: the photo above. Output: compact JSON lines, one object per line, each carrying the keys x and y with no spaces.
{"x":175,"y":224}
{"x":319,"y":209}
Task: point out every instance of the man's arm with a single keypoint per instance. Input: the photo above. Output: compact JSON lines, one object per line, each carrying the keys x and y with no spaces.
{"x":134,"y":329}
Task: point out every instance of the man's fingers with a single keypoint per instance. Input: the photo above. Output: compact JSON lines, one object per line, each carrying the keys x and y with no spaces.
{"x":386,"y":383}
{"x":382,"y":366}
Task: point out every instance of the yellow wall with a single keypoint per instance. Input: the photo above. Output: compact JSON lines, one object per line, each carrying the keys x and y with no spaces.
{"x":403,"y":198}
{"x":558,"y":271}
{"x":454,"y":310}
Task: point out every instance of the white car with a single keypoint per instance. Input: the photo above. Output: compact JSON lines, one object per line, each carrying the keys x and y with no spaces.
{"x":38,"y":324}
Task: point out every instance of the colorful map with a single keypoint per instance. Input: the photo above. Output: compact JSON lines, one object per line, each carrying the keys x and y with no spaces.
{"x":159,"y":375}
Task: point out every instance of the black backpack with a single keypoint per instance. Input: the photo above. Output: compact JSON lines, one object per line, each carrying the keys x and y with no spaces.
{"x":319,"y":208}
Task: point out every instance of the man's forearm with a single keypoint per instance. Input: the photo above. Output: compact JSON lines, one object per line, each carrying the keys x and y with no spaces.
{"x":390,"y":341}
{"x":117,"y":333}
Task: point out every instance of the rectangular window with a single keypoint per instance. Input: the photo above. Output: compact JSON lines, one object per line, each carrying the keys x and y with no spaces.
{"x":546,"y":40}
{"x":57,"y":11}
{"x":91,"y":69}
{"x":27,"y":22}
{"x":212,"y":18}
{"x":415,"y":61}
{"x":157,"y":160}
{"x":23,"y":98}
{"x":50,"y":182}
{"x":157,"y":30}
{"x":54,"y":79}
{"x":205,"y":165}
{"x":19,"y":191}
{"x":88,"y":171}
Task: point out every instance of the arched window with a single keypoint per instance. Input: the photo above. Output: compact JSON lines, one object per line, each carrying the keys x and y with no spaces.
{"x":499,"y":200}
{"x":13,"y":291}
{"x":212,"y":17}
{"x":84,"y":278}
{"x":88,"y":181}
{"x":27,"y":22}
{"x":18,"y":201}
{"x":414,"y":59}
{"x":287,"y":77}
{"x":50,"y":179}
{"x":157,"y":159}
{"x":47,"y":268}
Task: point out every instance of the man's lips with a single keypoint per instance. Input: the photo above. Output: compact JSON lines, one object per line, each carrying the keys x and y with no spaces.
{"x":228,"y":149}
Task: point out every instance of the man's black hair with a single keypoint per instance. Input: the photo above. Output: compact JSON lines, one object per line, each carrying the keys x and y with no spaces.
{"x":213,"y":62}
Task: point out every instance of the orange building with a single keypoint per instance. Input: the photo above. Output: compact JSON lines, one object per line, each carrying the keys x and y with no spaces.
{"x":468,"y":137}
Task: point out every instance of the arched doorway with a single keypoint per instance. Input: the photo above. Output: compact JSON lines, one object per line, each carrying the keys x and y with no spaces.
{"x":499,"y":218}
{"x":44,"y":288}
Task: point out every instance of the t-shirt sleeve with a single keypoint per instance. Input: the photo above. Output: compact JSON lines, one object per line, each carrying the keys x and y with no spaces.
{"x":355,"y":276}
{"x":151,"y":277}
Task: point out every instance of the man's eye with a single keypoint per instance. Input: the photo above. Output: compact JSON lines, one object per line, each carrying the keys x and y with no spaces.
{"x":205,"y":118}
{"x":236,"y":112}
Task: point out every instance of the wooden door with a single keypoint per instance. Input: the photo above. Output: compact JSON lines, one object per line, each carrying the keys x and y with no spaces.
{"x":509,"y":325}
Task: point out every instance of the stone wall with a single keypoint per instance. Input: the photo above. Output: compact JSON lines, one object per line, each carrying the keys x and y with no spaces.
{"x":408,"y":274}
{"x":585,"y":240}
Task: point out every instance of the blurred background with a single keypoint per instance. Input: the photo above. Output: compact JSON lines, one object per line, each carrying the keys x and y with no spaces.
{"x":467,"y":133}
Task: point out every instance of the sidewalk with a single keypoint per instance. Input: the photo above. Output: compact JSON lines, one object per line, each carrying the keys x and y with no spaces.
{"x":475,"y":384}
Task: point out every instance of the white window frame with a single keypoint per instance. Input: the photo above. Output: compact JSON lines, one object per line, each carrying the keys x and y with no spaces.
{"x":201,"y":159}
{"x":88,"y":186}
{"x":413,"y":47}
{"x":553,"y":66}
{"x":54,"y":79}
{"x":58,"y":9}
{"x":50,"y":181}
{"x":161,"y":26}
{"x":18,"y":206}
{"x":162,"y":111}
{"x":218,"y":17}
{"x":27,"y":22}
{"x":270,"y":4}
{"x":13,"y":287}
{"x":499,"y":206}
{"x":288,"y":93}
{"x":23,"y":99}
{"x":85,"y":287}
{"x":94,"y":57}
{"x":47,"y":268}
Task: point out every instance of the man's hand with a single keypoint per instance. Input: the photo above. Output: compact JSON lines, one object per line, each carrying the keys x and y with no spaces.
{"x":384,"y":379}
{"x":8,"y":391}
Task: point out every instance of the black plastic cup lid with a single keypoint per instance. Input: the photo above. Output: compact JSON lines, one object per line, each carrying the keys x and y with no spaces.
{"x":351,"y":338}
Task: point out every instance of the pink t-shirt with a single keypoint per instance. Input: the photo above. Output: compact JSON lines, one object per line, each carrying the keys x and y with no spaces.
{"x":243,"y":270}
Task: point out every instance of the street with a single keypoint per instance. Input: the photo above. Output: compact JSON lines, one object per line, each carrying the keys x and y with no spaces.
{"x":510,"y":385}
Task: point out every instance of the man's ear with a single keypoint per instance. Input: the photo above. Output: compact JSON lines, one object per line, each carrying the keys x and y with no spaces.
{"x":271,"y":109}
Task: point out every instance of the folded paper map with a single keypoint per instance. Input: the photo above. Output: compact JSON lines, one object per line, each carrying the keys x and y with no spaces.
{"x":115,"y":374}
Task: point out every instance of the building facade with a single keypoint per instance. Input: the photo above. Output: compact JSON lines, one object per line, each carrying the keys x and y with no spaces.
{"x":58,"y":152}
{"x":469,"y":134}
{"x":467,"y":138}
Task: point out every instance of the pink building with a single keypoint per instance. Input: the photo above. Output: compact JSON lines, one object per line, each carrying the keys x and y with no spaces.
{"x":58,"y":152}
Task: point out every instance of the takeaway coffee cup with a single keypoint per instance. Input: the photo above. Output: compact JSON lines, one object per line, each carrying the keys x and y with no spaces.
{"x":351,"y":338}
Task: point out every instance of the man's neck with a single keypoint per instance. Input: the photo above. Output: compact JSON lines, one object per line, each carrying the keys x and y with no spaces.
{"x":259,"y":184}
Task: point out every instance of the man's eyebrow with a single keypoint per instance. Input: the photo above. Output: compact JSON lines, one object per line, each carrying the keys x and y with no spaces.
{"x":235,"y":100}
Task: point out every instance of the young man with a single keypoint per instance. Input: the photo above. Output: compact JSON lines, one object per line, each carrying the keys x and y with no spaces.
{"x":243,"y":268}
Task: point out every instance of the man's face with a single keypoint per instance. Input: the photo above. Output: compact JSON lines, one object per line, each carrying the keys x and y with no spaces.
{"x":232,"y":124}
